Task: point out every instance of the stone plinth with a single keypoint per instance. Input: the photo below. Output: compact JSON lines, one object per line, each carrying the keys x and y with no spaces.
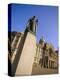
{"x":27,"y":56}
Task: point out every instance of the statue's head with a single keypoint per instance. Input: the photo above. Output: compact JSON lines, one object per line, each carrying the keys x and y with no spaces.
{"x":33,"y":17}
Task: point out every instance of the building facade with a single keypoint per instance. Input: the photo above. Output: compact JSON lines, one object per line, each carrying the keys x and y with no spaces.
{"x":46,"y":56}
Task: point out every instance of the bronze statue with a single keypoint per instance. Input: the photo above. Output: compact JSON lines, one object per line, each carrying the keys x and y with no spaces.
{"x":32,"y":23}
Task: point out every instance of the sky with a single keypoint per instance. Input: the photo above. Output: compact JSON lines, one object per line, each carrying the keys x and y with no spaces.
{"x":47,"y":21}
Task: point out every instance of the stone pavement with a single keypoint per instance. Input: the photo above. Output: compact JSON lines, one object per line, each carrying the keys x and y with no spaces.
{"x":37,"y":70}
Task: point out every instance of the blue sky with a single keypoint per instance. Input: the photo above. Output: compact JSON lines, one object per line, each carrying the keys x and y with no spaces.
{"x":47,"y":20}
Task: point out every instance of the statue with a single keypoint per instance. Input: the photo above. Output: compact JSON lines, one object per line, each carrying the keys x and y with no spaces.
{"x":32,"y":23}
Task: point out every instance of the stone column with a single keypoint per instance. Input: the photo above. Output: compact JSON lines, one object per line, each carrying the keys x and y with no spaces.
{"x":48,"y":64}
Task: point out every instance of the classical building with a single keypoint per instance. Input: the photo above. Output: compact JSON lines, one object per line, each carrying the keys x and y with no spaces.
{"x":46,"y":56}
